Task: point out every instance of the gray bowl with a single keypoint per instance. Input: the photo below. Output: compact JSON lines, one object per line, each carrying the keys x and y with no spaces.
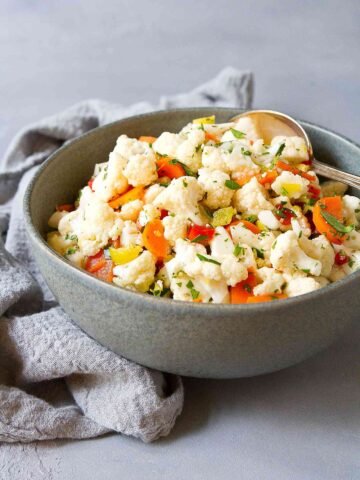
{"x":201,"y":340}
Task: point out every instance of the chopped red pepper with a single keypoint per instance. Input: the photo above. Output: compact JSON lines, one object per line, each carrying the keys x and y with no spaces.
{"x":284,"y":215}
{"x":200,"y":234}
{"x":163,"y":213}
{"x":100,"y":266}
{"x":90,"y":183}
{"x":314,"y":192}
{"x":341,"y":258}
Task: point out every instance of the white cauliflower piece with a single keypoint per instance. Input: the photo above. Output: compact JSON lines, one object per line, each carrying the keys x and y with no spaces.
{"x":55,"y":218}
{"x":59,"y":243}
{"x":212,"y":158}
{"x":331,"y":188}
{"x":183,"y":146}
{"x":131,"y":210}
{"x":295,"y":150}
{"x":299,"y":285}
{"x":267,"y":218}
{"x":152,"y":192}
{"x":319,"y":248}
{"x":287,"y":256}
{"x":181,"y":197}
{"x":110,"y":179}
{"x":261,"y":242}
{"x":290,"y":185}
{"x":130,"y":235}
{"x":175,"y":226}
{"x":217,"y":194}
{"x":351,"y":206}
{"x":217,"y":291}
{"x":252,"y":198}
{"x":188,"y":254}
{"x":231,"y":158}
{"x":93,"y":222}
{"x":300,"y":224}
{"x":352,"y":240}
{"x":138,"y":160}
{"x":246,"y":125}
{"x":138,"y":274}
{"x":148,"y":213}
{"x":272,"y":281}
{"x":233,"y":270}
{"x":223,"y":247}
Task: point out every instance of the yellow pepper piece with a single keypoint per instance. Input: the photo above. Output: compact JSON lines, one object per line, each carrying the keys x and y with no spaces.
{"x":223,"y":216}
{"x":291,"y":188}
{"x":124,"y":254}
{"x":206,"y":120}
{"x":261,"y":226}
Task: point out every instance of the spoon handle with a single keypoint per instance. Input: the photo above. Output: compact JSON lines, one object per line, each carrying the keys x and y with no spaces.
{"x":335,"y":174}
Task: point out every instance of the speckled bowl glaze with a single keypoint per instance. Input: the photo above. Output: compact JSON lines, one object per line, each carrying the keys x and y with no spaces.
{"x":201,"y":340}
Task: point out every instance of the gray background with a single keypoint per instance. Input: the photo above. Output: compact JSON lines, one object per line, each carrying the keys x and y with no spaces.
{"x":302,"y":423}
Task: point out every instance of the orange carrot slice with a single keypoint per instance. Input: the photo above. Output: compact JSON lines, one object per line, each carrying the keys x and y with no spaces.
{"x":295,"y":170}
{"x":154,"y":240}
{"x":265,"y":298}
{"x":243,"y":290}
{"x":168,"y":169}
{"x":268,"y":178}
{"x":332,"y":205}
{"x":132,"y":194}
{"x":147,"y":139}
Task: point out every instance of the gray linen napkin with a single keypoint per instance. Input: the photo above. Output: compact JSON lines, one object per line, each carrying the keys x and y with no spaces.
{"x":55,"y":381}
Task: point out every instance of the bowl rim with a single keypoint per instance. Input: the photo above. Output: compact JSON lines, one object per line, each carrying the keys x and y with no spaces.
{"x":150,"y":300}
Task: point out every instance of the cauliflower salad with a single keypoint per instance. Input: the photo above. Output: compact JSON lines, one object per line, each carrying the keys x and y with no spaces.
{"x":211,"y":214}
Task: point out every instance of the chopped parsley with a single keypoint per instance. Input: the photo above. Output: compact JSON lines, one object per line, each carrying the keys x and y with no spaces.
{"x":207,"y":259}
{"x":232,"y":185}
{"x":194,"y":293}
{"x":334,"y":222}
{"x":237,"y":133}
{"x":187,"y":170}
{"x":73,"y":238}
{"x":280,"y":150}
{"x":259,"y":253}
{"x":200,"y":238}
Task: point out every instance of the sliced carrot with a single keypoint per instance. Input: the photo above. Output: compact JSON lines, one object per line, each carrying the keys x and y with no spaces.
{"x":211,"y":136}
{"x":295,"y":170}
{"x":268,"y":178}
{"x":197,"y":300}
{"x":334,"y":206}
{"x":65,"y":207}
{"x":168,"y":169}
{"x":250,"y":226}
{"x":154,"y":240}
{"x":147,"y":139}
{"x":134,"y":193}
{"x":243,"y":290}
{"x":265,"y":298}
{"x":244,"y":178}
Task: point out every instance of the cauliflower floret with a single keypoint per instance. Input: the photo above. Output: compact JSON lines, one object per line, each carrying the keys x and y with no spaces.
{"x":93,"y":223}
{"x":217,"y":194}
{"x":252,"y":198}
{"x":319,"y":248}
{"x":300,"y":224}
{"x":300,"y":285}
{"x":267,"y":218}
{"x":130,"y":235}
{"x":223,"y":247}
{"x":246,"y":125}
{"x":182,"y":197}
{"x":262,"y":242}
{"x":138,"y":160}
{"x":59,"y":243}
{"x":110,"y":179}
{"x":138,"y":274}
{"x":287,"y":256}
{"x":183,"y":146}
{"x":233,"y":270}
{"x":213,"y":158}
{"x":272,"y":281}
{"x":152,"y":192}
{"x":131,"y":210}
{"x":175,"y":226}
{"x":351,"y":206}
{"x":148,"y":213}
{"x":352,"y":240}
{"x":55,"y":218}
{"x":190,"y":254}
{"x":290,"y":185}
{"x":331,"y":188}
{"x":295,"y":150}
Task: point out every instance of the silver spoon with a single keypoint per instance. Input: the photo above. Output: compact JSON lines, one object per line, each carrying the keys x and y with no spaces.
{"x":278,"y":123}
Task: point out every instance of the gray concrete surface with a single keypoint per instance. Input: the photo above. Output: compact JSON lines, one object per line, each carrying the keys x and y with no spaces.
{"x":298,"y":424}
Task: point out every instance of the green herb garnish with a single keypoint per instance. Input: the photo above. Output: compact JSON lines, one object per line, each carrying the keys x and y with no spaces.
{"x":280,"y":150}
{"x":232,"y":185}
{"x":259,"y":253}
{"x":207,"y":259}
{"x":238,"y":250}
{"x":187,"y":170}
{"x":237,"y":133}
{"x":199,"y":239}
{"x":334,"y":222}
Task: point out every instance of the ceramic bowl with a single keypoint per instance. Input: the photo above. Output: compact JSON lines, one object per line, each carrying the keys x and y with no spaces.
{"x":201,"y":340}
